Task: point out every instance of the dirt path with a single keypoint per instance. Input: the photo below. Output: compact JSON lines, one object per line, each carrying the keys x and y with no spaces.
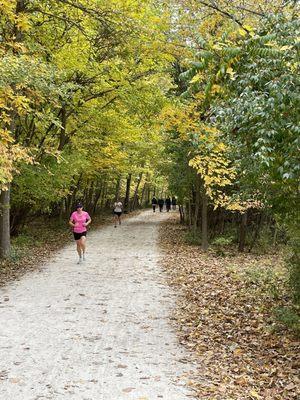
{"x":96,"y":331}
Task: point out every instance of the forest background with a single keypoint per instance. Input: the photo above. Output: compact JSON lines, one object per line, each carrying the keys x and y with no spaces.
{"x":125,"y":99}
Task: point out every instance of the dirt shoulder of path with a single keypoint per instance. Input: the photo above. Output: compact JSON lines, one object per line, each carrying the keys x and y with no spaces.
{"x":38,"y":241}
{"x":226,"y":317}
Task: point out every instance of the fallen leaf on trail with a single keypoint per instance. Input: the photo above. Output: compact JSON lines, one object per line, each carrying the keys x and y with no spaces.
{"x":15,"y":380}
{"x":122,"y":366}
{"x":128,"y":390}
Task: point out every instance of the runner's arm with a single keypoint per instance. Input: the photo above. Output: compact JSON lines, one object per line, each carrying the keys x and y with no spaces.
{"x":87,"y":222}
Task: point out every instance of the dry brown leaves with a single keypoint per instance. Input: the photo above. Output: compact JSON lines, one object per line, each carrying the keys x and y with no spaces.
{"x":225,"y":317}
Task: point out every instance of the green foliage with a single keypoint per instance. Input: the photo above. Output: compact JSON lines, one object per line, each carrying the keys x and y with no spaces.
{"x":264,"y":279}
{"x":221,"y":241}
{"x":40,"y":186}
{"x":81,"y":88}
{"x":193,"y":238}
{"x":294,"y":259}
{"x":290,"y":318}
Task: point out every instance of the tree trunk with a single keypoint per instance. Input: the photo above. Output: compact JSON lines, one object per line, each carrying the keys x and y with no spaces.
{"x":275,"y":234}
{"x":148,"y":198}
{"x":222,"y":223}
{"x":17,"y":36}
{"x":135,"y":197}
{"x":181,"y":212}
{"x":190,"y":213}
{"x":103,"y":195}
{"x":127,"y":195}
{"x":242,"y":235}
{"x":118,"y":187}
{"x":4,"y":223}
{"x":89,"y":197}
{"x":144,"y":191}
{"x":61,"y":211}
{"x":204,"y":222}
{"x":96,"y":199}
{"x":258,"y":227}
{"x":197,"y":202}
{"x":74,"y":194}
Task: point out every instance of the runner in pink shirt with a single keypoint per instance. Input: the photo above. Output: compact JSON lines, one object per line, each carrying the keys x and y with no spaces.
{"x":79,"y":221}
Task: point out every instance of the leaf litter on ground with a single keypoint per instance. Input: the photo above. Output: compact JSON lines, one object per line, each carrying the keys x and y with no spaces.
{"x":225,"y":317}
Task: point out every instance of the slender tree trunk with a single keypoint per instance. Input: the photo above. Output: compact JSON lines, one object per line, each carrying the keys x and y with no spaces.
{"x":4,"y":223}
{"x":61,"y":211}
{"x":74,"y":194}
{"x":96,"y":199}
{"x":258,"y":227}
{"x":189,"y":213}
{"x":144,"y":191}
{"x":103,"y":195}
{"x":181,"y":212}
{"x":16,"y":35}
{"x":127,"y":195}
{"x":89,"y":197}
{"x":117,"y":191}
{"x":242,"y":235}
{"x":136,"y":191}
{"x":148,"y":195}
{"x":197,"y":202}
{"x":204,"y":221}
{"x":222,"y":223}
{"x":275,"y":234}
{"x":63,"y":138}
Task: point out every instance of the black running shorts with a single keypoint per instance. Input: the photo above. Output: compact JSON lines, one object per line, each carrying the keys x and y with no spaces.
{"x":78,"y":236}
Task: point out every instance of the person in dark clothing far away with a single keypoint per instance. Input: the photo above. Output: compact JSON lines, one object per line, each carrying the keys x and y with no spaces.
{"x":174,"y":202}
{"x":161,"y":203}
{"x":154,"y":203}
{"x":168,"y":203}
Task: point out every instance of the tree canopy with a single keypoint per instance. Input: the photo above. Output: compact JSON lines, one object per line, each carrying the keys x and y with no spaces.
{"x":198,"y":99}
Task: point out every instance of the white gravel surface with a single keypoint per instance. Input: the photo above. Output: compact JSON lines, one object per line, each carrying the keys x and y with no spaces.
{"x":95,"y":331}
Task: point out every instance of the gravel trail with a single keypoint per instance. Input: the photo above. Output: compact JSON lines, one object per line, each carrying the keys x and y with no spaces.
{"x":95,"y":331}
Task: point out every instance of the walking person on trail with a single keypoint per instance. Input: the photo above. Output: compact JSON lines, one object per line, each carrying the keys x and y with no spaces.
{"x":168,"y":203}
{"x":174,"y":203}
{"x":79,"y":221}
{"x":161,"y":203}
{"x":118,"y":210}
{"x":154,"y":203}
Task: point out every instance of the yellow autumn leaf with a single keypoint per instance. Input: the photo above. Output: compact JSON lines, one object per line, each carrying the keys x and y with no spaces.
{"x":196,"y":78}
{"x":254,"y":394}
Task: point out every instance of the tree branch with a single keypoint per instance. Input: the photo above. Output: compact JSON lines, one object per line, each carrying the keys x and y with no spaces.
{"x":225,"y":13}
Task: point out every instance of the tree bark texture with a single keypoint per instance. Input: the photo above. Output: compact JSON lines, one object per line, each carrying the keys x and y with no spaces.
{"x":204,"y":221}
{"x":242,"y":235}
{"x":4,"y":223}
